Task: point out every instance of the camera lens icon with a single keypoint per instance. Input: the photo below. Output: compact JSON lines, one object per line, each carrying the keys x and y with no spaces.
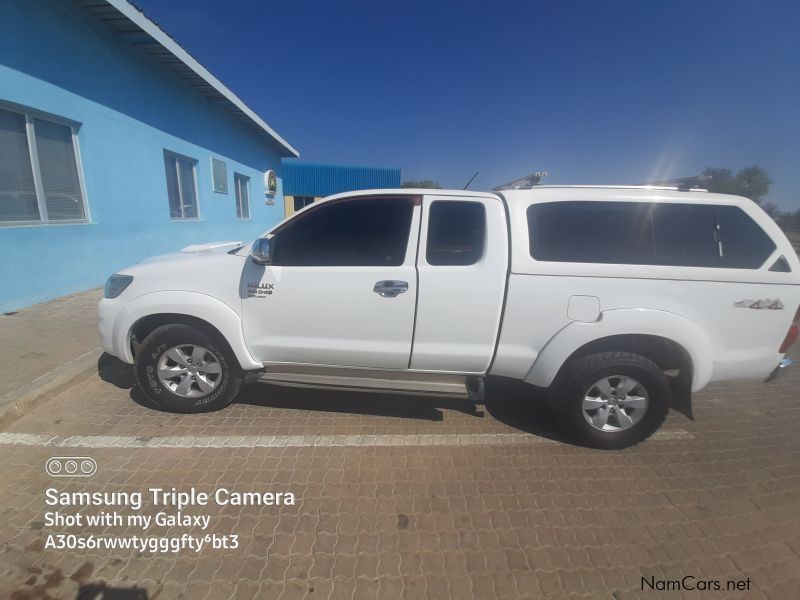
{"x":70,"y":466}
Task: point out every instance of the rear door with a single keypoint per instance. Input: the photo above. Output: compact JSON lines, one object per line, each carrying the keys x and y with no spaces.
{"x":462,"y":265}
{"x":341,"y":288}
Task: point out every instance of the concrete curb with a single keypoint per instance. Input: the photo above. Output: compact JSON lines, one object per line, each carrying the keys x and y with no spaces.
{"x":23,"y":400}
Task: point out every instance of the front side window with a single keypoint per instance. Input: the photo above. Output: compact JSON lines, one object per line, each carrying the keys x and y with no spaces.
{"x":181,"y":186}
{"x":242,"y":185}
{"x":41,"y":186}
{"x":363,"y":232}
{"x":642,"y":233}
{"x":456,"y":232}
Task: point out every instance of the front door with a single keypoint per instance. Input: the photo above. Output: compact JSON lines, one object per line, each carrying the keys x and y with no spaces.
{"x":341,"y":289}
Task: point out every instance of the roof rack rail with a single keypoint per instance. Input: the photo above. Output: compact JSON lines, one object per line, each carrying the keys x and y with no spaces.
{"x":663,"y":188}
{"x":686,"y":184}
{"x":523,"y":183}
{"x":693,"y":183}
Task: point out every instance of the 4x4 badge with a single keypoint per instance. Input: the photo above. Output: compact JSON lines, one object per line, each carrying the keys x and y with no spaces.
{"x":766,"y":303}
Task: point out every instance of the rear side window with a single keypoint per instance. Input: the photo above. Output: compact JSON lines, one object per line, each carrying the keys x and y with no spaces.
{"x":684,"y":235}
{"x":692,"y":235}
{"x":594,"y":232}
{"x":743,"y":243}
{"x":353,"y":233}
{"x":456,"y":233}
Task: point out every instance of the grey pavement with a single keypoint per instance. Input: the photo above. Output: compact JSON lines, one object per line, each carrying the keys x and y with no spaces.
{"x":44,"y":347}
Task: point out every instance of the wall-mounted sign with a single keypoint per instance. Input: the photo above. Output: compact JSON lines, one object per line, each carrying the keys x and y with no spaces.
{"x":270,"y":183}
{"x":270,"y":187}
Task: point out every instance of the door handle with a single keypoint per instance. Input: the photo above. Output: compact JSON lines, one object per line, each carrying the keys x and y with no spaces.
{"x":390,"y":288}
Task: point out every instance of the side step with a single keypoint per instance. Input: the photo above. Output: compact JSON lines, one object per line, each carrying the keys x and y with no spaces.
{"x":364,"y":380}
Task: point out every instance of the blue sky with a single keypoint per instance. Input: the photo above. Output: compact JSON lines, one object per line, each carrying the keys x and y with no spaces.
{"x":590,"y":91}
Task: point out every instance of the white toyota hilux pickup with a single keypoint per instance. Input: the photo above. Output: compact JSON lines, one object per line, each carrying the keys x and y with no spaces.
{"x":615,"y":299}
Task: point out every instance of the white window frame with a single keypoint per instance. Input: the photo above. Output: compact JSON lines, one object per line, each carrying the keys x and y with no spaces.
{"x":176,"y":155}
{"x":246,"y":185}
{"x":41,"y":201}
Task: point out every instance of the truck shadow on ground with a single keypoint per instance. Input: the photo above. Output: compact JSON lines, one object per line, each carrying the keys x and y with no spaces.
{"x":103,"y":591}
{"x":356,"y":402}
{"x":112,"y":370}
{"x":512,"y":403}
{"x":521,"y":407}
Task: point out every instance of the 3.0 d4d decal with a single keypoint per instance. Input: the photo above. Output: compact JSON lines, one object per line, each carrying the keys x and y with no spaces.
{"x":257,"y":289}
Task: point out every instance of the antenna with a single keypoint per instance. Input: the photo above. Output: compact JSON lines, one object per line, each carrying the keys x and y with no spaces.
{"x":471,"y":179}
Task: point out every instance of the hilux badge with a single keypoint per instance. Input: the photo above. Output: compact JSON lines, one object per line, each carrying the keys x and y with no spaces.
{"x":256,"y":289}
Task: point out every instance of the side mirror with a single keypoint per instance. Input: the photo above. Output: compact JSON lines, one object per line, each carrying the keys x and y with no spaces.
{"x":260,"y":252}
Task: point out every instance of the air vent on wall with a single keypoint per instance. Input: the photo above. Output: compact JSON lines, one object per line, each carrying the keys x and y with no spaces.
{"x":219,"y":174}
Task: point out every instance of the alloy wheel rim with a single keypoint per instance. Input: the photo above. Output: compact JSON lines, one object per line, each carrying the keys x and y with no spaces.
{"x":615,"y":403}
{"x":189,"y":370}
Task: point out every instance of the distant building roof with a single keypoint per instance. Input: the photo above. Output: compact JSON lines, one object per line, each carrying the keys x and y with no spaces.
{"x":320,"y":179}
{"x":131,"y":25}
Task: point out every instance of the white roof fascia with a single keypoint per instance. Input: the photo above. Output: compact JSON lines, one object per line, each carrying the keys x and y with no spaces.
{"x":138,"y":18}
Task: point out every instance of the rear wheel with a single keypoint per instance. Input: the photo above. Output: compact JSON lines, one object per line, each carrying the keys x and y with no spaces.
{"x":182,"y":369}
{"x":611,"y":400}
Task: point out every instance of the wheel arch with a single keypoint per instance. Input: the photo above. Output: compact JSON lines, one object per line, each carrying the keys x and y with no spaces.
{"x":149,"y":323}
{"x":208,"y":314}
{"x":669,"y":340}
{"x":666,"y":353}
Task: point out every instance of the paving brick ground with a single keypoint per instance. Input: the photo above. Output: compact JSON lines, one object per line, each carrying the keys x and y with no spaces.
{"x":718,"y":498}
{"x":40,"y":339}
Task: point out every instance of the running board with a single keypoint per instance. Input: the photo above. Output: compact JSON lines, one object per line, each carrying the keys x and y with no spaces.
{"x":362,"y":380}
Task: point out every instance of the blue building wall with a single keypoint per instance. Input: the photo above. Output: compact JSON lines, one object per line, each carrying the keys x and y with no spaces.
{"x":321,"y":179}
{"x":57,"y":59}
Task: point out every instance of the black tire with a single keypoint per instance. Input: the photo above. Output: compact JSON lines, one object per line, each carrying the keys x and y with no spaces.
{"x":161,"y":340}
{"x":566,"y":399}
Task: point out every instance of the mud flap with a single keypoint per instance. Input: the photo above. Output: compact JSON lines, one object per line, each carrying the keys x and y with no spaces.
{"x":681,"y":400}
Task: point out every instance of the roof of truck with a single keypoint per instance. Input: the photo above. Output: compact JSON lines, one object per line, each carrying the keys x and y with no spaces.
{"x":611,"y":187}
{"x":409,"y":192}
{"x":681,"y":192}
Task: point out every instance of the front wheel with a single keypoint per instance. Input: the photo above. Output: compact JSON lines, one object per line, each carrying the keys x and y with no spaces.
{"x":611,"y":400}
{"x":182,"y":369}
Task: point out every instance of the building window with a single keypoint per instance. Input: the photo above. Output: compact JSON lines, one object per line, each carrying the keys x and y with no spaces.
{"x":181,"y":186}
{"x":40,"y":179}
{"x":456,"y":232}
{"x":242,"y":187}
{"x":301,"y":202}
